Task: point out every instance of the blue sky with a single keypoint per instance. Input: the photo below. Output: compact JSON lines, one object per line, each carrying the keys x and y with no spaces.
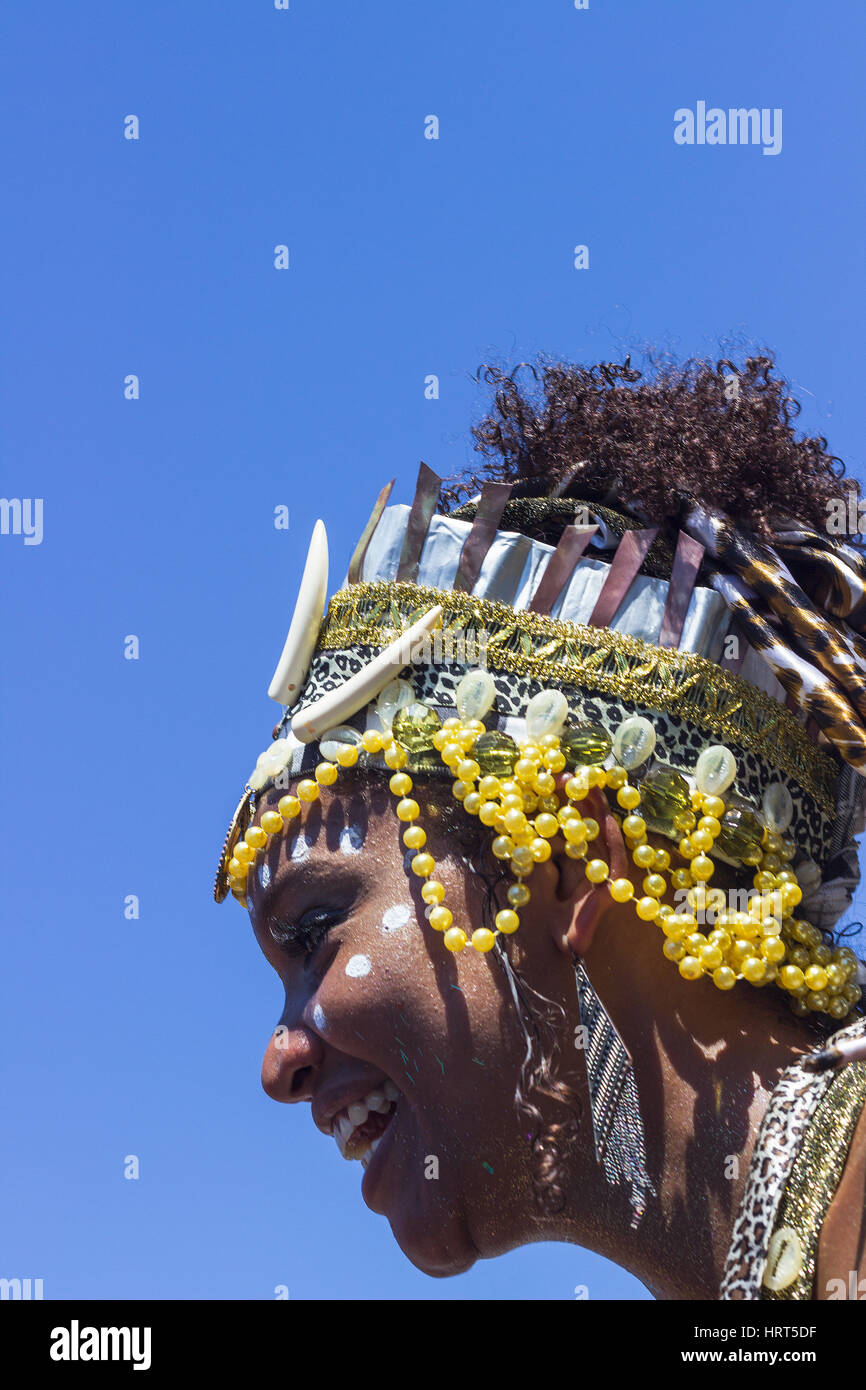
{"x":305,"y":387}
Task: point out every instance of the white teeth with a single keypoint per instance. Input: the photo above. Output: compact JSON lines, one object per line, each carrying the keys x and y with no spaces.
{"x":345,"y":1127}
{"x":341,"y":1143}
{"x":391,"y":1091}
{"x":377,"y":1101}
{"x":375,"y":1144}
{"x":358,"y":1113}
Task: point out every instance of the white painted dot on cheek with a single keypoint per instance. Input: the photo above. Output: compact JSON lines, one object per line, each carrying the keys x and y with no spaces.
{"x":359,"y":966}
{"x":264,"y":875}
{"x":319,"y":1018}
{"x":351,"y":840}
{"x":395,"y":918}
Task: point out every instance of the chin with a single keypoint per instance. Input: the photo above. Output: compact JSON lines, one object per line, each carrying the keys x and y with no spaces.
{"x":432,"y":1257}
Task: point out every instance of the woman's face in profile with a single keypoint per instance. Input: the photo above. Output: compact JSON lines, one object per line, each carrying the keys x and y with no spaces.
{"x":408,"y":1055}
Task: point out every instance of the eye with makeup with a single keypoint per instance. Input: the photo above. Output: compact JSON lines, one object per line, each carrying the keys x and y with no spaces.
{"x":301,"y":938}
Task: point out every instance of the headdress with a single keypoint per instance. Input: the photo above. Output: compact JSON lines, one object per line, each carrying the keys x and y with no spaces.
{"x":710,"y":682}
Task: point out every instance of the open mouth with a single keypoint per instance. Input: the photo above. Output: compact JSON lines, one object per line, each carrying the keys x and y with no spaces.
{"x":359,"y":1128}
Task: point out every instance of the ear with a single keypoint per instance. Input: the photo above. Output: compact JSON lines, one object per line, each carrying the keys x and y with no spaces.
{"x":578,"y":905}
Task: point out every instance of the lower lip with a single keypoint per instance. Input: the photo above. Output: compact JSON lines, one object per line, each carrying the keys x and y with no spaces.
{"x":373,"y":1171}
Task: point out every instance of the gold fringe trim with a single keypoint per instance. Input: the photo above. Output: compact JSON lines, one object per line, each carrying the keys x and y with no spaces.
{"x":597,"y":660}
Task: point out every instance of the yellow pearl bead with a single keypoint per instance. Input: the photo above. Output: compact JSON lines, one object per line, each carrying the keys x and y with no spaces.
{"x":753,"y":969}
{"x":454,"y":939}
{"x":554,"y":760}
{"x":236,"y":869}
{"x":400,"y":784}
{"x":702,"y":868}
{"x":545,"y":784}
{"x":577,"y":788}
{"x":654,"y":885}
{"x":644,"y":856}
{"x":488,"y":812}
{"x":518,"y":896}
{"x":816,"y":978}
{"x":423,"y":865}
{"x":710,"y":826}
{"x":621,"y":889}
{"x":547,"y":825}
{"x":628,"y":797}
{"x":521,"y":859}
{"x":432,"y":891}
{"x":591,"y":827}
{"x":414,"y":837}
{"x":348,"y":756}
{"x":701,"y":840}
{"x":647,"y":909}
{"x":792,"y":894}
{"x":712,"y":806}
{"x":574,"y":831}
{"x":690,"y":968}
{"x":514,"y":822}
{"x":371,"y":741}
{"x":244,"y":853}
{"x":272,"y":822}
{"x":541,"y":850}
{"x":596,"y":871}
{"x":503,"y":847}
{"x":472,"y":803}
{"x":326,"y":774}
{"x":724,"y":977}
{"x":408,"y":809}
{"x":673,"y":950}
{"x":452,"y":754}
{"x":396,"y":757}
{"x":289,"y":807}
{"x":634,"y":827}
{"x":256,"y":837}
{"x":482,"y":939}
{"x":507,"y":921}
{"x":710,"y":957}
{"x":308,"y":790}
{"x":468,"y":770}
{"x":489,"y":787}
{"x":440,"y":918}
{"x":791,"y":977}
{"x":576,"y":851}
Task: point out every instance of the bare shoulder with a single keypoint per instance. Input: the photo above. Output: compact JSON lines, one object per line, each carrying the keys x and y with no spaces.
{"x":840,"y":1271}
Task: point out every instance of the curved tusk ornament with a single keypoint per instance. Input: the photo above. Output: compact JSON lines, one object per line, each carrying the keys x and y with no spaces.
{"x":339,"y":705}
{"x":294,"y":663}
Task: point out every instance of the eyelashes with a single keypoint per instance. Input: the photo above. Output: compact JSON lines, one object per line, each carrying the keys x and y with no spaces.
{"x":301,"y":939}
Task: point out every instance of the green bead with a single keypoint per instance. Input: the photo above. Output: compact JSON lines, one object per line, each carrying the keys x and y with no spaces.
{"x":663,"y":795}
{"x":585,"y":744}
{"x":495,"y":754}
{"x":740,"y":835}
{"x":414,"y":726}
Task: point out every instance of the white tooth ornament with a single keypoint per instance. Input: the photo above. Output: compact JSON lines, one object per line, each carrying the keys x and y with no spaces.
{"x":340,"y":704}
{"x":294,"y":663}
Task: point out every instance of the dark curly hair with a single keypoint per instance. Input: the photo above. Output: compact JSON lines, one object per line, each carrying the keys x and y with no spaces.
{"x":715,"y":432}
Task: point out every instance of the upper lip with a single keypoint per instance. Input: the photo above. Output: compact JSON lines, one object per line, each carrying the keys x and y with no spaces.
{"x":328,"y":1106}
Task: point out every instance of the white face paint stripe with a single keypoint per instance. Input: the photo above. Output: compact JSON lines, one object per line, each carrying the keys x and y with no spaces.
{"x":359,"y":966}
{"x":351,"y":840}
{"x":319,"y":1018}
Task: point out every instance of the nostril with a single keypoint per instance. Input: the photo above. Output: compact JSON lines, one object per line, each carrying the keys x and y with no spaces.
{"x":300,"y":1079}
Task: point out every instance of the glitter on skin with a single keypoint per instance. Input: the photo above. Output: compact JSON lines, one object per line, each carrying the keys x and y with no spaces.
{"x":359,"y":966}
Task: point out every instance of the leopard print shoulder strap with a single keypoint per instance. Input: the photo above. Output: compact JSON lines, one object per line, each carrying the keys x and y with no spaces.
{"x":792,"y":1106}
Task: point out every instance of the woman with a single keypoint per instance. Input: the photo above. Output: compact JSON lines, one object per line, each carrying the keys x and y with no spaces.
{"x":613,"y":708}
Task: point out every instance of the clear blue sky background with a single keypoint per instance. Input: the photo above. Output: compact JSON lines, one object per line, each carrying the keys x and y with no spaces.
{"x":305,"y":387}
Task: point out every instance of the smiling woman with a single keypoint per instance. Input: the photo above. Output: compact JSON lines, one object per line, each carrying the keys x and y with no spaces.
{"x":555,"y":933}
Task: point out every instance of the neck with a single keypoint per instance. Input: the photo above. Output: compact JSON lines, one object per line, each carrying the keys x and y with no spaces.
{"x":705,"y":1065}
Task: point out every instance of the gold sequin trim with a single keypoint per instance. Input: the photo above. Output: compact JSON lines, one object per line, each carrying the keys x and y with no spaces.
{"x":598,"y":660}
{"x":817,"y":1172}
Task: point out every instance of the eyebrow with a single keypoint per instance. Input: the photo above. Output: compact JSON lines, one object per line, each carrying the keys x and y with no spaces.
{"x":304,"y":873}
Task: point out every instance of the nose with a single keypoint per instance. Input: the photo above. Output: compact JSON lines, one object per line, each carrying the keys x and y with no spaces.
{"x":289,"y":1065}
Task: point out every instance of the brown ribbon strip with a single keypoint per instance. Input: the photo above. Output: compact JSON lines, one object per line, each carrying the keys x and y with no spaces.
{"x":357,"y":560}
{"x":687,"y":562}
{"x":423,"y":507}
{"x":560,"y":567}
{"x":626,"y":562}
{"x":484,"y":528}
